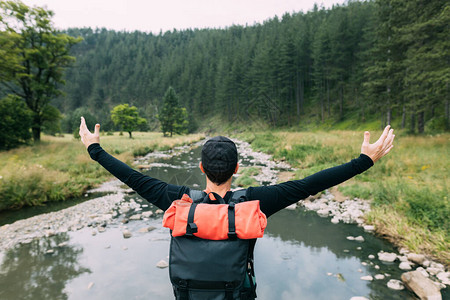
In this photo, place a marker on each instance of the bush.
(15, 123)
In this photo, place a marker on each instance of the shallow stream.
(302, 256)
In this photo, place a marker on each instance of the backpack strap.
(196, 195)
(237, 195)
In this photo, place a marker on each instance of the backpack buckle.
(191, 229)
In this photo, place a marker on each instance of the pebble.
(405, 266)
(50, 251)
(395, 284)
(379, 277)
(126, 234)
(369, 228)
(387, 256)
(162, 264)
(371, 256)
(377, 267)
(135, 217)
(159, 211)
(350, 238)
(359, 239)
(291, 207)
(367, 278)
(147, 214)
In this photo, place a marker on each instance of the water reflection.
(300, 249)
(29, 272)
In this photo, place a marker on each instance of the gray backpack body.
(202, 269)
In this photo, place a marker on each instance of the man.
(219, 162)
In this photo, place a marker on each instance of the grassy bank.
(60, 167)
(408, 187)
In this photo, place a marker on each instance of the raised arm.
(153, 190)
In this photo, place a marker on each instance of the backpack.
(211, 248)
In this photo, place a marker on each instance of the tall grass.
(411, 183)
(60, 167)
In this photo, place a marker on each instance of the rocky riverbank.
(112, 209)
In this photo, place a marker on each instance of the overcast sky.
(156, 15)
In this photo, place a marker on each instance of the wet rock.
(377, 267)
(395, 284)
(94, 232)
(387, 256)
(50, 251)
(63, 244)
(416, 258)
(379, 277)
(323, 213)
(364, 263)
(335, 220)
(369, 228)
(423, 271)
(367, 278)
(359, 239)
(101, 229)
(124, 221)
(350, 238)
(162, 264)
(126, 234)
(292, 206)
(135, 217)
(421, 286)
(444, 277)
(371, 256)
(147, 214)
(405, 266)
(159, 211)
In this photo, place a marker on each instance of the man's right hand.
(88, 138)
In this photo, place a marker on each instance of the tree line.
(383, 60)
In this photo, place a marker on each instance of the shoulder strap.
(196, 195)
(237, 195)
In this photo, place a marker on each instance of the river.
(301, 256)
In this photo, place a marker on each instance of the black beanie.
(219, 154)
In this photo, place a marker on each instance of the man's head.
(219, 159)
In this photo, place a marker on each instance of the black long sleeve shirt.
(272, 198)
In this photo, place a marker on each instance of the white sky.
(156, 15)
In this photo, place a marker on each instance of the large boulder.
(421, 285)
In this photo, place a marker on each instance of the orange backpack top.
(214, 221)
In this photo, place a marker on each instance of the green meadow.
(59, 168)
(408, 187)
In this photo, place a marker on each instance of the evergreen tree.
(173, 117)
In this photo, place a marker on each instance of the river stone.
(350, 238)
(359, 239)
(444, 277)
(50, 251)
(371, 256)
(159, 211)
(387, 256)
(126, 234)
(101, 229)
(416, 258)
(291, 207)
(421, 286)
(379, 276)
(358, 298)
(323, 213)
(433, 271)
(135, 217)
(369, 228)
(162, 264)
(405, 266)
(335, 220)
(395, 284)
(367, 278)
(377, 267)
(423, 271)
(147, 214)
(143, 230)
